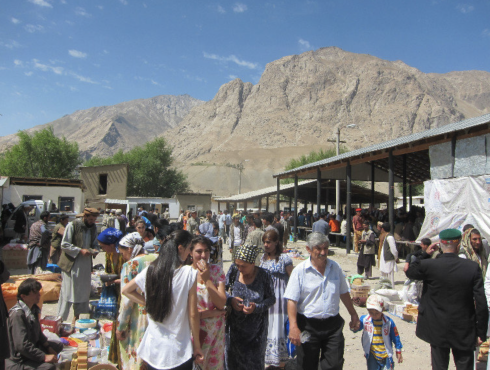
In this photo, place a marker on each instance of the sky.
(60, 56)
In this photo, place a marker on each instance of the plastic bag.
(107, 306)
(52, 337)
(388, 294)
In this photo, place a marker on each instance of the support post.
(326, 196)
(318, 190)
(290, 203)
(245, 206)
(295, 214)
(391, 186)
(219, 208)
(410, 199)
(405, 182)
(278, 195)
(372, 184)
(267, 203)
(260, 205)
(348, 207)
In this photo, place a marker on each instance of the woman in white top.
(171, 303)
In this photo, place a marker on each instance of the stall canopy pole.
(267, 203)
(348, 207)
(290, 203)
(405, 182)
(295, 208)
(326, 197)
(372, 184)
(410, 197)
(391, 179)
(245, 206)
(278, 208)
(318, 190)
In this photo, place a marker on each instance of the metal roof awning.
(415, 147)
(307, 192)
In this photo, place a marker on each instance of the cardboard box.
(51, 323)
(15, 259)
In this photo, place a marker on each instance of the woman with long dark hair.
(170, 289)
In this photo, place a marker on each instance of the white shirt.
(167, 344)
(317, 295)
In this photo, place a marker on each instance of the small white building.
(61, 192)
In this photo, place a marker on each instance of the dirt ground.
(416, 353)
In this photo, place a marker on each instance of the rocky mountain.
(105, 130)
(297, 105)
(300, 101)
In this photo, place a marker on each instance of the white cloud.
(10, 45)
(101, 7)
(239, 8)
(63, 1)
(305, 45)
(232, 58)
(106, 52)
(465, 8)
(28, 73)
(124, 2)
(84, 79)
(232, 77)
(486, 32)
(33, 28)
(221, 9)
(15, 20)
(72, 88)
(41, 3)
(18, 63)
(46, 68)
(82, 12)
(77, 54)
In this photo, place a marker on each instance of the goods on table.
(411, 312)
(51, 323)
(483, 354)
(82, 356)
(39, 277)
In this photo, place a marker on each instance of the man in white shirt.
(389, 255)
(314, 292)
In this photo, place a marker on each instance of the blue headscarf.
(110, 236)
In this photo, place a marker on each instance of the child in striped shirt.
(379, 334)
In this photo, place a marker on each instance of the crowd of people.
(177, 309)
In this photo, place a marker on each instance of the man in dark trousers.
(453, 312)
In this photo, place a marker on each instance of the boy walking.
(379, 334)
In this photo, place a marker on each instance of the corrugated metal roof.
(260, 193)
(116, 201)
(451, 127)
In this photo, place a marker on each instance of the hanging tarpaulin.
(453, 203)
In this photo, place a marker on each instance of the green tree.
(312, 157)
(41, 154)
(150, 173)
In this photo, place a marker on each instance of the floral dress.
(277, 351)
(212, 329)
(132, 316)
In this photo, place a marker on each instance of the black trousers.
(464, 360)
(325, 345)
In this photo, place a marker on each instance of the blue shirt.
(317, 295)
(206, 229)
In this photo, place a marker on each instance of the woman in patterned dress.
(211, 300)
(132, 320)
(279, 266)
(251, 296)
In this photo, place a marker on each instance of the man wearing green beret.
(453, 311)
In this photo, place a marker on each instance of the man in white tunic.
(78, 246)
(389, 255)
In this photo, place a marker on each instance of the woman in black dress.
(251, 295)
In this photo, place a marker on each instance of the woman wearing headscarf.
(108, 241)
(132, 320)
(251, 296)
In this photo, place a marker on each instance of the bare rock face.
(103, 131)
(302, 99)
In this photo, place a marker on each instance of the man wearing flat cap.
(453, 312)
(78, 246)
